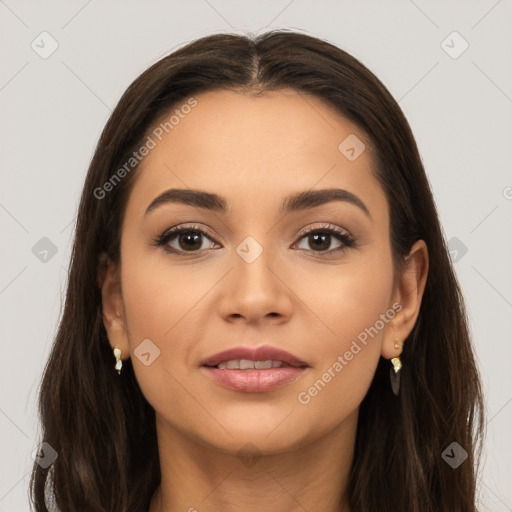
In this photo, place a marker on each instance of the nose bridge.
(252, 261)
(254, 289)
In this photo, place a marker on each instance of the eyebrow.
(292, 203)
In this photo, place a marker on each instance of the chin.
(250, 439)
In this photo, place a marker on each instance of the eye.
(321, 238)
(188, 239)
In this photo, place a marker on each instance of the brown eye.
(190, 240)
(184, 239)
(320, 239)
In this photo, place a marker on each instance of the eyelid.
(326, 226)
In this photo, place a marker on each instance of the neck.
(197, 477)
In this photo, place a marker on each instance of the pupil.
(188, 236)
(316, 237)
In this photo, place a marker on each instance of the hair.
(101, 425)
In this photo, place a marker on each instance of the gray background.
(53, 110)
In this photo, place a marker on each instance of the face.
(314, 280)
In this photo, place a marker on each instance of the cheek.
(156, 300)
(347, 298)
(161, 302)
(352, 302)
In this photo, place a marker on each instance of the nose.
(255, 290)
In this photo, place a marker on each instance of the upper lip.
(263, 353)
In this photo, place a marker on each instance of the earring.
(119, 363)
(394, 373)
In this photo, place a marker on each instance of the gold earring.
(394, 372)
(119, 363)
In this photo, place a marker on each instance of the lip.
(263, 353)
(254, 380)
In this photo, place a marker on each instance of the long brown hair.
(100, 424)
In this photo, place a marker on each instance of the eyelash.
(343, 236)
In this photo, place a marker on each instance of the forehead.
(229, 122)
(253, 148)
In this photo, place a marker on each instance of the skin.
(254, 151)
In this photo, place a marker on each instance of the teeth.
(263, 364)
(247, 364)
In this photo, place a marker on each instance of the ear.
(109, 280)
(408, 294)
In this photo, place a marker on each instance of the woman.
(261, 311)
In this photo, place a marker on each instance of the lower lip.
(255, 381)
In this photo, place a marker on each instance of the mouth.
(251, 370)
(247, 358)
